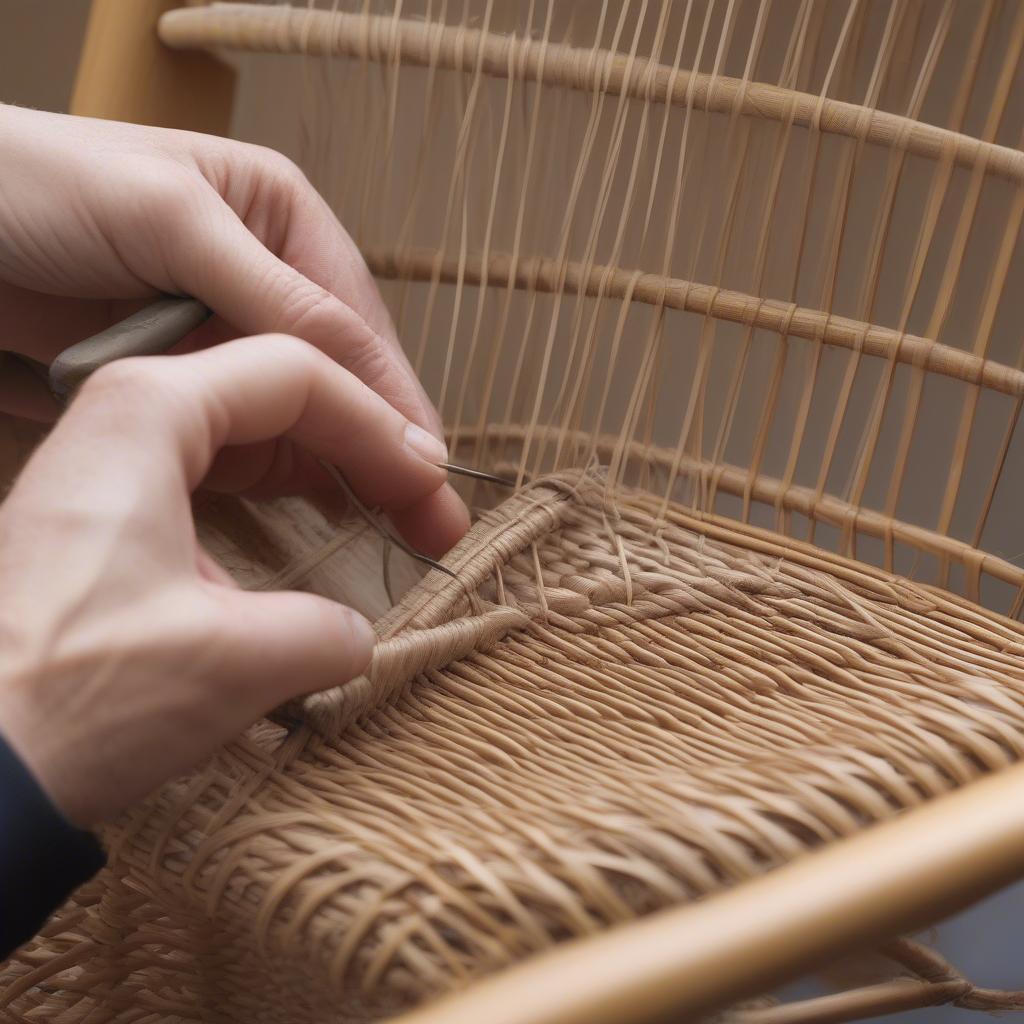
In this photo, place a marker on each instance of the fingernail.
(424, 445)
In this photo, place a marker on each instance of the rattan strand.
(705, 478)
(624, 703)
(931, 981)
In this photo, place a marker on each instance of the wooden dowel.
(680, 964)
(388, 40)
(548, 275)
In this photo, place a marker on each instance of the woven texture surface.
(646, 713)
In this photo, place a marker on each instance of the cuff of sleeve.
(43, 858)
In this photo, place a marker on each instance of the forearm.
(42, 857)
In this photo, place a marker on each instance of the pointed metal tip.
(476, 474)
(434, 564)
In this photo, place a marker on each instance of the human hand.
(96, 217)
(128, 653)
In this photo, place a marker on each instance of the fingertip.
(361, 637)
(346, 639)
(294, 643)
(435, 524)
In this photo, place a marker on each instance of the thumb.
(288, 644)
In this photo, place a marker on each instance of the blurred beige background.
(39, 45)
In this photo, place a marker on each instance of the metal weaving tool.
(151, 331)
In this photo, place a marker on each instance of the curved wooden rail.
(546, 275)
(858, 1004)
(684, 963)
(386, 39)
(767, 490)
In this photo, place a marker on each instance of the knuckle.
(140, 388)
(309, 309)
(311, 312)
(289, 348)
(371, 363)
(267, 166)
(161, 191)
(279, 167)
(367, 356)
(125, 378)
(285, 357)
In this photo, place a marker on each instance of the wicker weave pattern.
(666, 713)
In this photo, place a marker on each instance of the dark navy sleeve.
(42, 857)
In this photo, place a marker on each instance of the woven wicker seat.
(591, 723)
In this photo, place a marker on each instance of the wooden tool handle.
(151, 331)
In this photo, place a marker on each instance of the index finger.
(143, 432)
(312, 283)
(256, 389)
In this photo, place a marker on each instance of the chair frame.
(698, 959)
